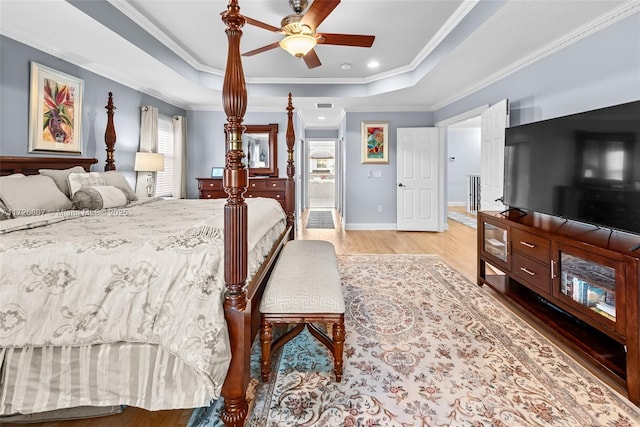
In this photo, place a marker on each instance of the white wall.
(463, 157)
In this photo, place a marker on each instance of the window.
(164, 179)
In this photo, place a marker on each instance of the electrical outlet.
(379, 208)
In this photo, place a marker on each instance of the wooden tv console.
(580, 280)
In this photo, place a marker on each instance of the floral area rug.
(426, 347)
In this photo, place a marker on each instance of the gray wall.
(597, 71)
(205, 133)
(588, 74)
(364, 194)
(15, 61)
(464, 146)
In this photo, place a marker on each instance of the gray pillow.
(85, 179)
(100, 197)
(117, 179)
(60, 176)
(32, 195)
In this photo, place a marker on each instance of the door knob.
(401, 185)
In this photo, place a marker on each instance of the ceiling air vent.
(324, 105)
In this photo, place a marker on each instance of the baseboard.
(457, 204)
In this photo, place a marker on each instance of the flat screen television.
(584, 167)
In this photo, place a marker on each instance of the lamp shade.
(298, 44)
(149, 162)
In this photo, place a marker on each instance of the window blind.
(164, 179)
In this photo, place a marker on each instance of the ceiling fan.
(300, 32)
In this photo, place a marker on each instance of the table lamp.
(149, 162)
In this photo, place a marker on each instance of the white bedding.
(151, 272)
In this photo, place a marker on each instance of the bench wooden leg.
(338, 348)
(266, 334)
(335, 345)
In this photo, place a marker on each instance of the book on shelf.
(603, 314)
(607, 308)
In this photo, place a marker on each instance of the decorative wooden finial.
(291, 170)
(110, 136)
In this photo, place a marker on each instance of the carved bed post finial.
(291, 170)
(110, 136)
(235, 181)
(235, 178)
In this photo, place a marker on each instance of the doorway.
(463, 166)
(463, 136)
(321, 162)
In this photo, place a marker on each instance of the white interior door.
(494, 121)
(419, 180)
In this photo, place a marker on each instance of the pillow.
(87, 179)
(100, 197)
(116, 179)
(5, 213)
(32, 195)
(59, 176)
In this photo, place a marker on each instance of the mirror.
(260, 145)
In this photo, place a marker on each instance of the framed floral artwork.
(375, 142)
(55, 111)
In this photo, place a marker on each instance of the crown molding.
(625, 10)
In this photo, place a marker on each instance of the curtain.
(148, 143)
(179, 157)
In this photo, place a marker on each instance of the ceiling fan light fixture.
(298, 44)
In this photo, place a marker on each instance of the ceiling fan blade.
(318, 12)
(311, 59)
(358, 40)
(262, 49)
(261, 24)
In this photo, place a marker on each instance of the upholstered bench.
(304, 288)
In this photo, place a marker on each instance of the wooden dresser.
(211, 188)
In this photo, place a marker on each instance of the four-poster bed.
(243, 282)
(241, 307)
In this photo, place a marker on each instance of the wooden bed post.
(110, 136)
(290, 189)
(235, 181)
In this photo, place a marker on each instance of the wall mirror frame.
(260, 145)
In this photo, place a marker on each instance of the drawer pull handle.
(209, 196)
(273, 185)
(529, 245)
(529, 272)
(210, 185)
(553, 268)
(277, 196)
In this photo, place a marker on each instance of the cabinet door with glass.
(494, 242)
(592, 286)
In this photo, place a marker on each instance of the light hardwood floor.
(457, 246)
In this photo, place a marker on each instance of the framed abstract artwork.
(375, 142)
(55, 111)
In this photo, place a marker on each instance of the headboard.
(30, 165)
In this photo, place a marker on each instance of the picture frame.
(55, 111)
(375, 142)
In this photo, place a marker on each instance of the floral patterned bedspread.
(149, 272)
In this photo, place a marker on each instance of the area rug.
(426, 347)
(463, 219)
(320, 219)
